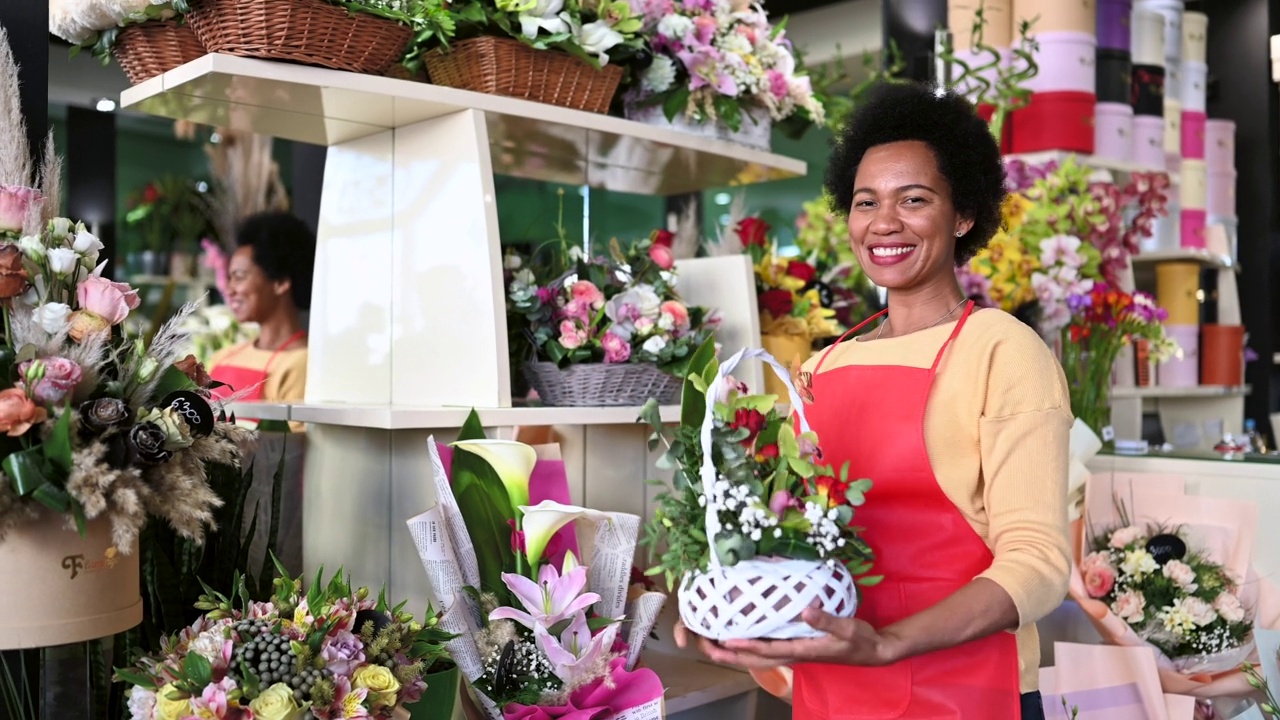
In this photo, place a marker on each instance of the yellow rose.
(276, 703)
(382, 685)
(169, 709)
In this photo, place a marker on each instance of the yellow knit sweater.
(996, 429)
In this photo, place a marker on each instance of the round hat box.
(997, 31)
(1057, 15)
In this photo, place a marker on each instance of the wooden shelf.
(693, 683)
(527, 139)
(1202, 391)
(384, 417)
(1200, 255)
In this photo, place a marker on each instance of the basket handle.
(708, 470)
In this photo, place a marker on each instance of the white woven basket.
(760, 598)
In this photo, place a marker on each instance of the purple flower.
(546, 295)
(342, 653)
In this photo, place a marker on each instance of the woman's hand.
(848, 641)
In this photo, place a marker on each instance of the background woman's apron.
(239, 377)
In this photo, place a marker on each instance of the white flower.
(669, 278)
(1129, 605)
(543, 16)
(660, 74)
(208, 644)
(523, 279)
(512, 262)
(596, 38)
(63, 261)
(1138, 563)
(32, 247)
(570, 280)
(87, 245)
(1126, 536)
(1229, 607)
(220, 318)
(654, 345)
(60, 227)
(52, 317)
(1181, 574)
(142, 704)
(1201, 612)
(575, 254)
(675, 27)
(735, 43)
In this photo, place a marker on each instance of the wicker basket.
(598, 384)
(502, 66)
(148, 49)
(311, 32)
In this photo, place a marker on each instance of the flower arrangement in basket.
(719, 69)
(540, 634)
(322, 651)
(147, 37)
(606, 330)
(1171, 595)
(756, 529)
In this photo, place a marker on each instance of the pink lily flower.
(576, 652)
(552, 599)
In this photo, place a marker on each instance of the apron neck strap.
(292, 339)
(968, 310)
(846, 336)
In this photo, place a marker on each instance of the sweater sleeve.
(1024, 434)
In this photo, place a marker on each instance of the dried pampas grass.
(15, 152)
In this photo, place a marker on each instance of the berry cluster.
(273, 660)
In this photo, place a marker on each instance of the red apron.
(238, 377)
(873, 418)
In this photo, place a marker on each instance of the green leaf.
(693, 404)
(676, 103)
(787, 547)
(197, 669)
(53, 497)
(869, 580)
(171, 380)
(57, 447)
(486, 511)
(472, 429)
(599, 623)
(25, 470)
(133, 677)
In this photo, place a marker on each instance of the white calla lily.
(544, 520)
(512, 461)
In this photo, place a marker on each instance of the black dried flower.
(147, 440)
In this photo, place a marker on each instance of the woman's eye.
(864, 204)
(913, 201)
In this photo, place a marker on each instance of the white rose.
(1130, 606)
(654, 345)
(666, 322)
(1229, 607)
(1126, 536)
(142, 704)
(88, 246)
(1181, 574)
(63, 261)
(32, 247)
(675, 26)
(52, 317)
(659, 76)
(646, 300)
(570, 280)
(523, 279)
(596, 38)
(60, 227)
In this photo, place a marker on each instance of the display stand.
(408, 326)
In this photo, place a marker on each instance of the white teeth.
(891, 251)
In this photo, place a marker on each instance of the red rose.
(754, 231)
(663, 237)
(777, 303)
(766, 453)
(802, 271)
(749, 418)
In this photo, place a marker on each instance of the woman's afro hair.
(285, 248)
(967, 154)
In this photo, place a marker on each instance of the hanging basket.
(602, 385)
(145, 50)
(762, 597)
(502, 66)
(62, 588)
(311, 32)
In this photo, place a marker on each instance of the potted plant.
(147, 37)
(719, 69)
(171, 217)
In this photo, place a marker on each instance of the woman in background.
(269, 283)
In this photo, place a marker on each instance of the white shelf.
(1202, 391)
(260, 411)
(1099, 163)
(527, 139)
(1200, 255)
(165, 280)
(384, 417)
(693, 683)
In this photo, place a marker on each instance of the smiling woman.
(959, 417)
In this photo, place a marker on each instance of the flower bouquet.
(719, 69)
(324, 651)
(147, 37)
(1173, 596)
(756, 529)
(606, 331)
(823, 239)
(540, 634)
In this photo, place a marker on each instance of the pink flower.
(577, 310)
(1126, 536)
(678, 312)
(781, 501)
(586, 293)
(517, 537)
(616, 350)
(1099, 576)
(109, 300)
(1229, 607)
(778, 84)
(662, 256)
(570, 336)
(213, 701)
(546, 295)
(554, 597)
(704, 29)
(643, 325)
(1130, 605)
(50, 379)
(342, 652)
(16, 204)
(1181, 574)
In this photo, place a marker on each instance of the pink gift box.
(1193, 122)
(1113, 131)
(1220, 145)
(1221, 190)
(1067, 62)
(1184, 371)
(1148, 142)
(1192, 230)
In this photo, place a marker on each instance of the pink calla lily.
(553, 598)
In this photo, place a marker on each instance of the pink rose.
(1099, 576)
(1181, 574)
(662, 256)
(616, 350)
(585, 292)
(678, 312)
(111, 301)
(570, 336)
(16, 204)
(1126, 536)
(576, 310)
(1229, 607)
(51, 379)
(1130, 606)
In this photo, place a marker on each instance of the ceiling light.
(105, 105)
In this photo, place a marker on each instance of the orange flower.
(18, 413)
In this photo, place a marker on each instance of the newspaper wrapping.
(642, 614)
(613, 549)
(432, 538)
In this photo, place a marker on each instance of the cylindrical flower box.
(1148, 90)
(1193, 123)
(1195, 36)
(1148, 142)
(1195, 86)
(1054, 121)
(1222, 355)
(1193, 224)
(1148, 37)
(1113, 24)
(1220, 145)
(1183, 371)
(1113, 132)
(1114, 76)
(997, 32)
(1221, 189)
(1194, 193)
(1177, 291)
(1057, 15)
(1067, 61)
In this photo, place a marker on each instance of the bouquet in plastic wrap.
(538, 591)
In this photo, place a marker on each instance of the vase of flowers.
(606, 330)
(752, 512)
(718, 63)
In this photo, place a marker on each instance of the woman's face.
(902, 224)
(251, 295)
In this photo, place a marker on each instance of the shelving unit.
(411, 327)
(1200, 255)
(1098, 163)
(1201, 391)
